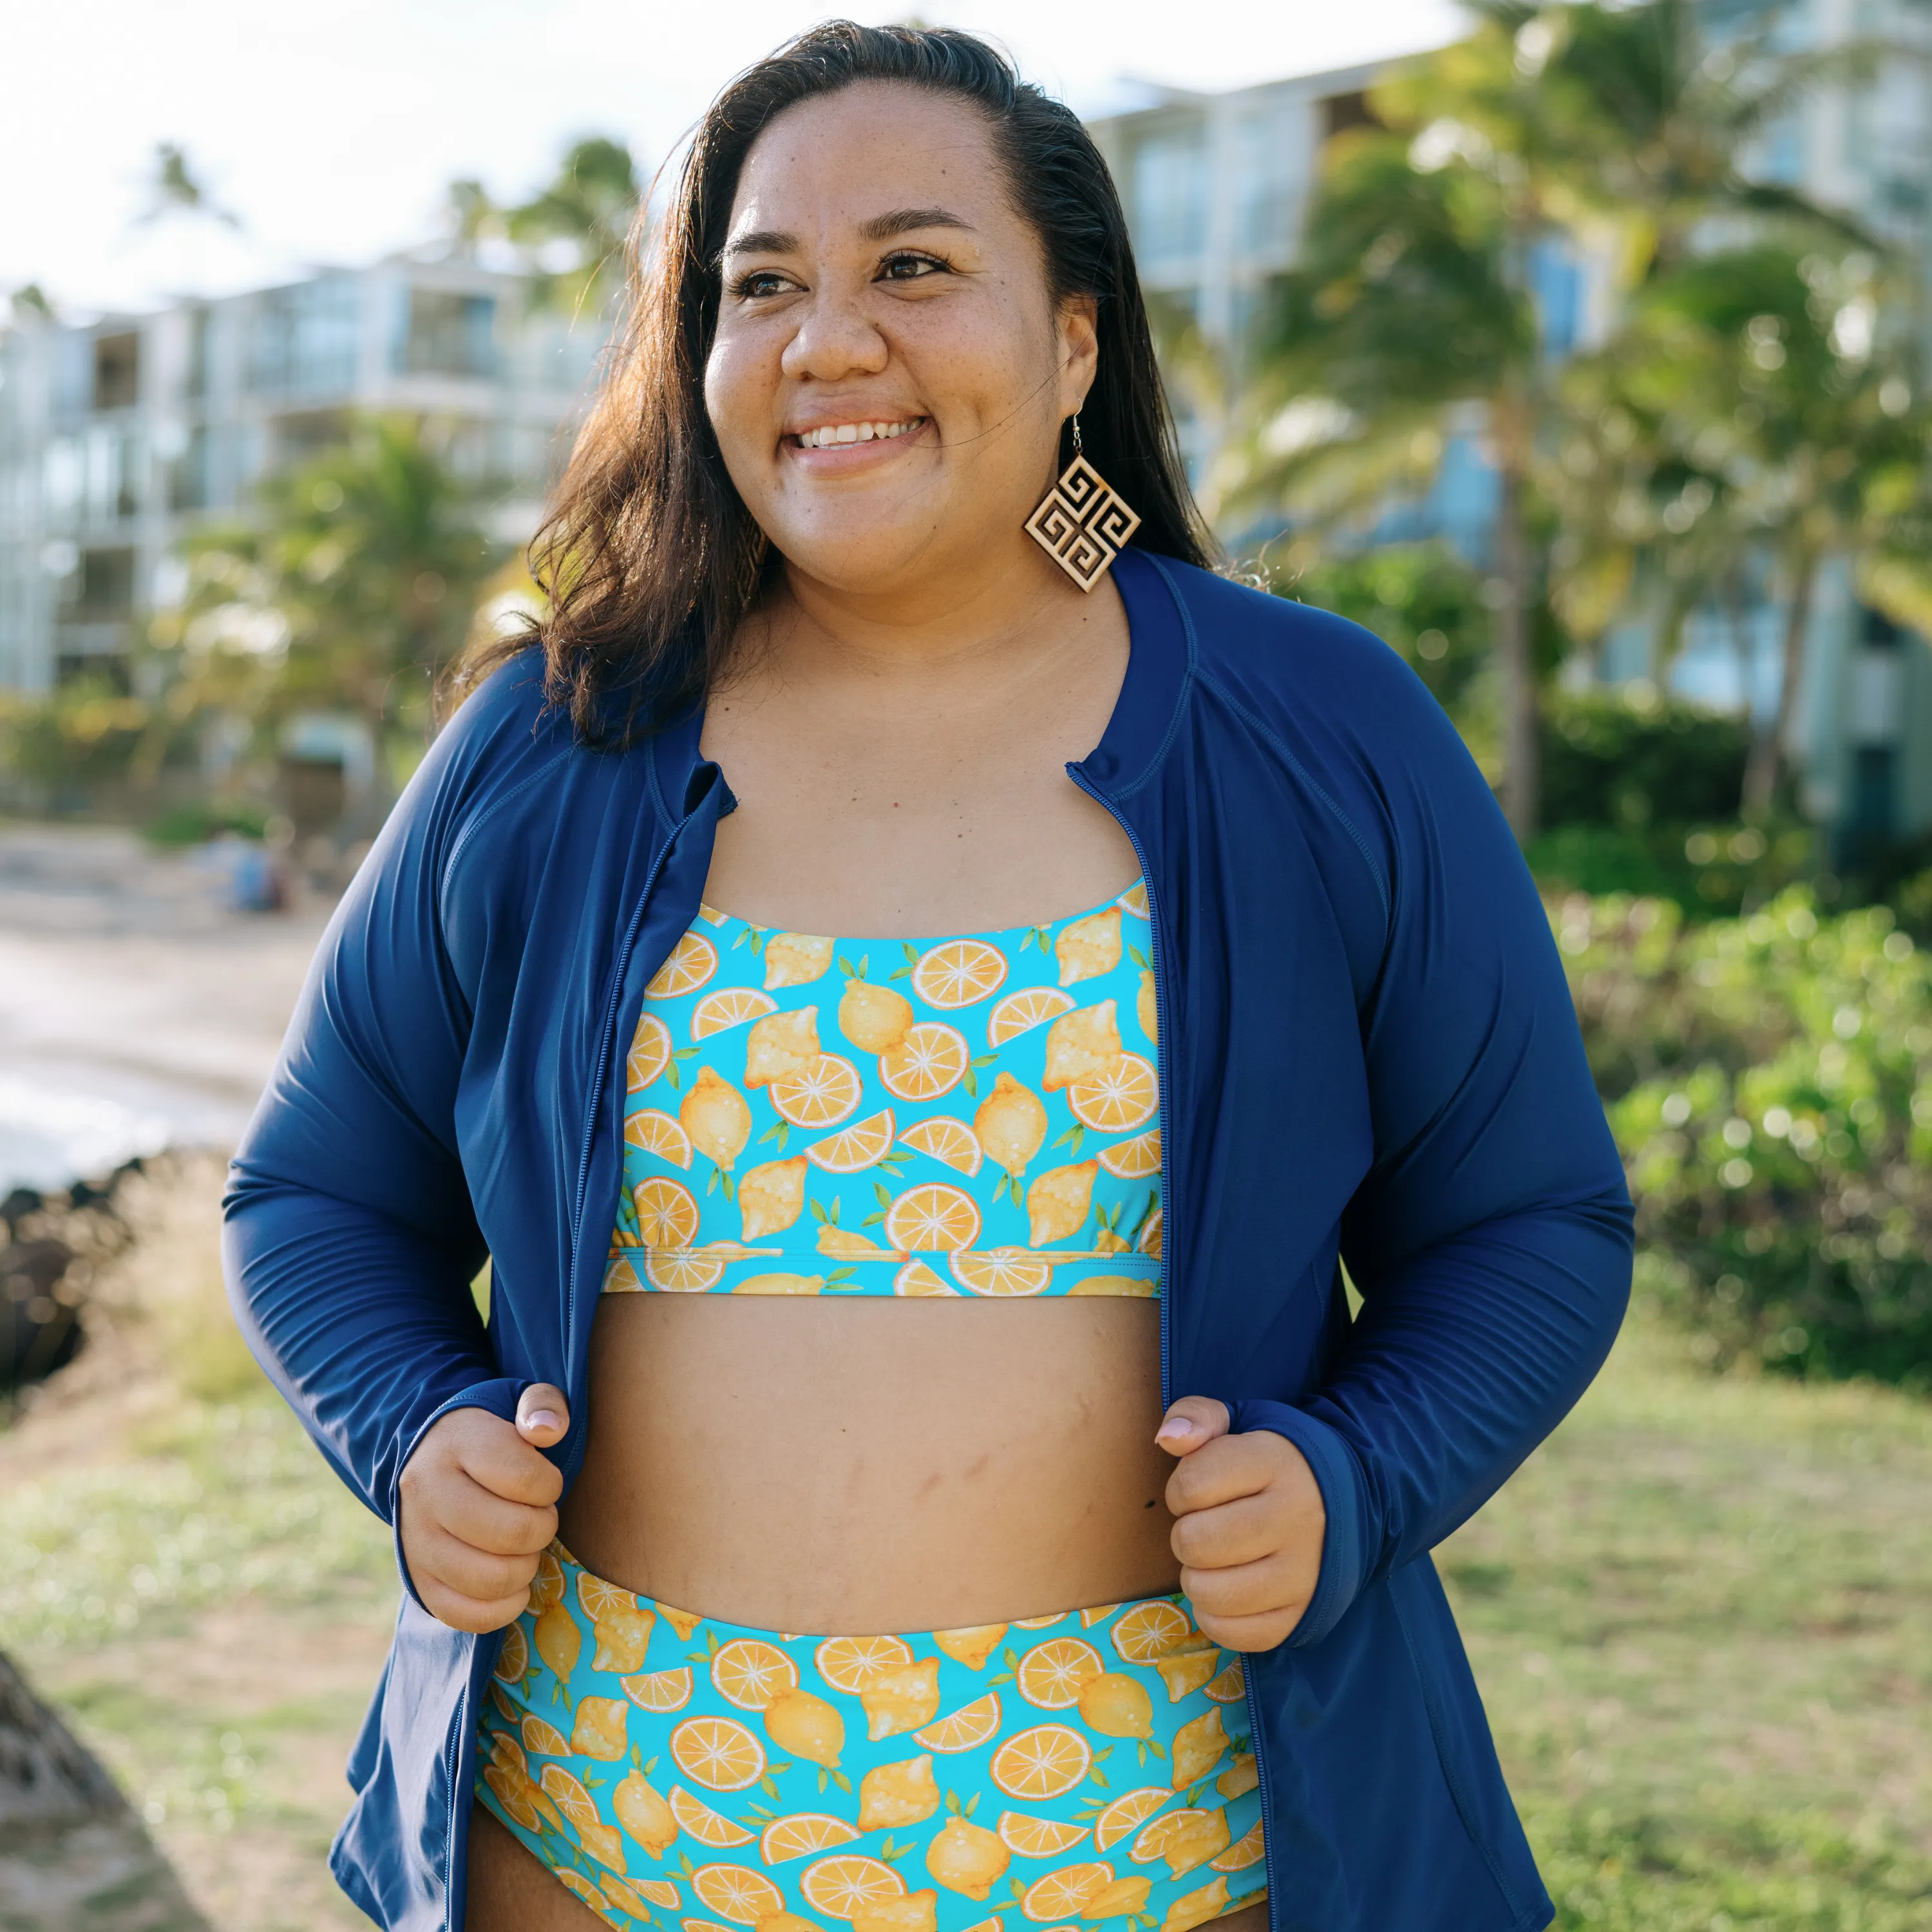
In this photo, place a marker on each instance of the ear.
(1079, 344)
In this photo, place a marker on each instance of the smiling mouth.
(832, 436)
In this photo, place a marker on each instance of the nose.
(835, 340)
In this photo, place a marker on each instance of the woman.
(866, 894)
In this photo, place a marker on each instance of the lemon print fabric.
(977, 1115)
(673, 1770)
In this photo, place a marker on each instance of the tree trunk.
(1516, 679)
(1765, 766)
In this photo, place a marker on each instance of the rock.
(74, 1857)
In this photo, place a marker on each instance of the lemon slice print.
(801, 1834)
(737, 1893)
(1064, 1893)
(650, 1054)
(1155, 1628)
(1244, 1852)
(933, 1218)
(1230, 1687)
(1131, 1809)
(717, 1752)
(863, 1145)
(660, 1689)
(958, 973)
(667, 1212)
(752, 1674)
(930, 1060)
(1134, 1159)
(698, 1820)
(693, 961)
(945, 1139)
(659, 1133)
(820, 1092)
(729, 1006)
(1020, 1012)
(847, 1883)
(1029, 1837)
(917, 1279)
(855, 1664)
(1051, 1674)
(1043, 1761)
(1116, 1098)
(971, 1725)
(998, 1273)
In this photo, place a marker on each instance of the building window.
(303, 343)
(106, 584)
(1170, 198)
(447, 333)
(117, 371)
(187, 474)
(197, 352)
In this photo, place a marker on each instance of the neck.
(1012, 604)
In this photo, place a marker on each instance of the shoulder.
(1360, 732)
(1274, 653)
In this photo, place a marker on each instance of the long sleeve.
(350, 1240)
(1491, 1238)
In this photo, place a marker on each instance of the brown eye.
(909, 268)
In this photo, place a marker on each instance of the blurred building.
(1215, 186)
(119, 436)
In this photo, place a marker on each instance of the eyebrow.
(880, 228)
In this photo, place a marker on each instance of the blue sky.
(332, 127)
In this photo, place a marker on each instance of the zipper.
(604, 1047)
(457, 1795)
(1164, 1044)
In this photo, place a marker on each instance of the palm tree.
(589, 207)
(1621, 127)
(351, 588)
(1777, 418)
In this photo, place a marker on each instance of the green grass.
(1701, 1618)
(1701, 1615)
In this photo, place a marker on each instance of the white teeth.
(832, 433)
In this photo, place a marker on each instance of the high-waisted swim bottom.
(1089, 1769)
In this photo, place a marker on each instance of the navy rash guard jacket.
(1368, 1053)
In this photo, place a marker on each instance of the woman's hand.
(478, 1505)
(1248, 1524)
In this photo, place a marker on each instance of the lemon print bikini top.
(972, 1115)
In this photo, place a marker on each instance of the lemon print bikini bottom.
(679, 1772)
(976, 1115)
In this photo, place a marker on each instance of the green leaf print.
(1000, 1677)
(1155, 1745)
(711, 1186)
(769, 1786)
(839, 1276)
(973, 1803)
(817, 1209)
(1097, 1776)
(851, 971)
(1072, 1138)
(1139, 958)
(953, 1802)
(882, 1195)
(731, 1189)
(1010, 1658)
(1018, 1887)
(684, 1860)
(872, 1220)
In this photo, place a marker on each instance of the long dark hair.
(648, 557)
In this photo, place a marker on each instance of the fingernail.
(541, 1418)
(1179, 1425)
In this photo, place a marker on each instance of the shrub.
(1769, 1083)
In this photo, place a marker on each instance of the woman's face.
(890, 372)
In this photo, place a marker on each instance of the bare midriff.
(867, 1465)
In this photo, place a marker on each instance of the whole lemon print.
(874, 1019)
(966, 1858)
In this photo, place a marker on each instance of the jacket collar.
(1160, 656)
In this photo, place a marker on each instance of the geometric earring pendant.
(1081, 523)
